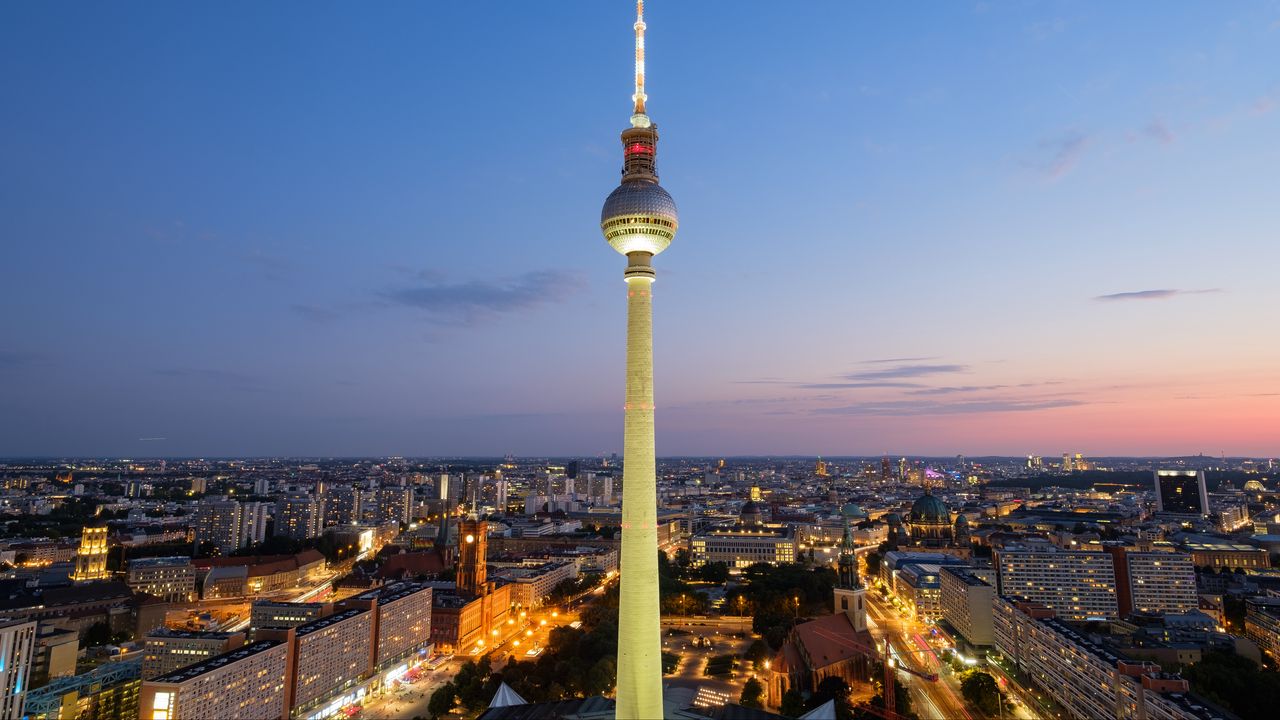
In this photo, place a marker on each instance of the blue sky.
(368, 229)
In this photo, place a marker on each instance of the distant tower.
(639, 220)
(91, 557)
(821, 469)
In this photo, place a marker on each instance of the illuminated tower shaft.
(639, 632)
(639, 220)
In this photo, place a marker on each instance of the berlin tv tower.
(639, 220)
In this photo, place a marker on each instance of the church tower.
(850, 594)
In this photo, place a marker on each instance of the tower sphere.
(639, 216)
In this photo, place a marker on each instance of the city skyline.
(322, 233)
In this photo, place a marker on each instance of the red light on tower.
(639, 148)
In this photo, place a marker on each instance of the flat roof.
(217, 662)
(151, 561)
(325, 622)
(965, 575)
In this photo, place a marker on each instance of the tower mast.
(639, 220)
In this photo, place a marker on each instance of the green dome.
(930, 510)
(851, 511)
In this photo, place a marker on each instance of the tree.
(792, 704)
(980, 689)
(752, 694)
(441, 701)
(834, 689)
(757, 652)
(1236, 683)
(715, 572)
(97, 634)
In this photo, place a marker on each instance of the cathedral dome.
(929, 510)
(853, 511)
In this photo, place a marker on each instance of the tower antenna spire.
(639, 96)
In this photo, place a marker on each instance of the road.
(940, 699)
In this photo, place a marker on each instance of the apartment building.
(247, 683)
(1089, 681)
(17, 646)
(1077, 585)
(168, 578)
(166, 650)
(966, 601)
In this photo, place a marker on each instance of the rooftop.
(189, 672)
(325, 622)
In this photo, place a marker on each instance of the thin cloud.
(886, 361)
(1060, 153)
(1158, 131)
(470, 302)
(857, 385)
(1164, 294)
(934, 407)
(315, 314)
(906, 371)
(225, 378)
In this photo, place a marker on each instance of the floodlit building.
(746, 542)
(91, 556)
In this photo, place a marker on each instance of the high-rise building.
(262, 486)
(253, 523)
(17, 646)
(395, 504)
(639, 220)
(230, 525)
(298, 517)
(966, 603)
(500, 494)
(342, 505)
(217, 521)
(1181, 492)
(91, 556)
(1154, 582)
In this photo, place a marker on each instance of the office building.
(1181, 492)
(91, 556)
(276, 615)
(168, 578)
(1221, 553)
(165, 649)
(1077, 585)
(248, 683)
(1262, 624)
